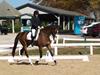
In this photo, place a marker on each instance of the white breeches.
(33, 32)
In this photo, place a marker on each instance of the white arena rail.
(8, 46)
(79, 39)
(60, 57)
(56, 46)
(81, 57)
(83, 44)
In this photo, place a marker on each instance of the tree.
(95, 6)
(36, 1)
(82, 6)
(73, 5)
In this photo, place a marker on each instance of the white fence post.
(91, 50)
(55, 51)
(19, 50)
(56, 48)
(63, 41)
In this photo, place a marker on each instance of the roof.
(7, 11)
(50, 10)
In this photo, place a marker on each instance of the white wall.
(29, 10)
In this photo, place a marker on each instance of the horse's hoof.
(80, 53)
(55, 62)
(36, 62)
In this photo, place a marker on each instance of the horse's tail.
(15, 45)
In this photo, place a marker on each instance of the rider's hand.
(39, 27)
(42, 27)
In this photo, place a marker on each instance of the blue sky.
(17, 3)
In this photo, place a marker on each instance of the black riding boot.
(32, 42)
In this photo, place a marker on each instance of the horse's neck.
(45, 32)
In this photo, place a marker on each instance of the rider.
(35, 25)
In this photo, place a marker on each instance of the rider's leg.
(33, 32)
(33, 35)
(37, 34)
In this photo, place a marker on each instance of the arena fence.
(82, 44)
(56, 46)
(81, 57)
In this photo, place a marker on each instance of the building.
(7, 12)
(65, 19)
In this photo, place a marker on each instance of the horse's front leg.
(40, 52)
(50, 50)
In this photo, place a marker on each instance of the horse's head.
(54, 30)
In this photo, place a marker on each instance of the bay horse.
(42, 41)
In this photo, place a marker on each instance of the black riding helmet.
(36, 13)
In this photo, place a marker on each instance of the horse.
(42, 41)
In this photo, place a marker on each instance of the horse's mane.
(50, 27)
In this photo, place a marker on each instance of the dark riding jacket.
(35, 22)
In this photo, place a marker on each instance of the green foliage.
(67, 4)
(17, 27)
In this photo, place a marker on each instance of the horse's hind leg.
(13, 53)
(20, 54)
(11, 60)
(49, 48)
(24, 49)
(21, 51)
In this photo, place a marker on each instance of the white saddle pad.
(30, 33)
(29, 36)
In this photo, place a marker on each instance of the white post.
(58, 20)
(63, 41)
(55, 51)
(91, 50)
(64, 23)
(13, 30)
(19, 50)
(73, 26)
(55, 48)
(68, 25)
